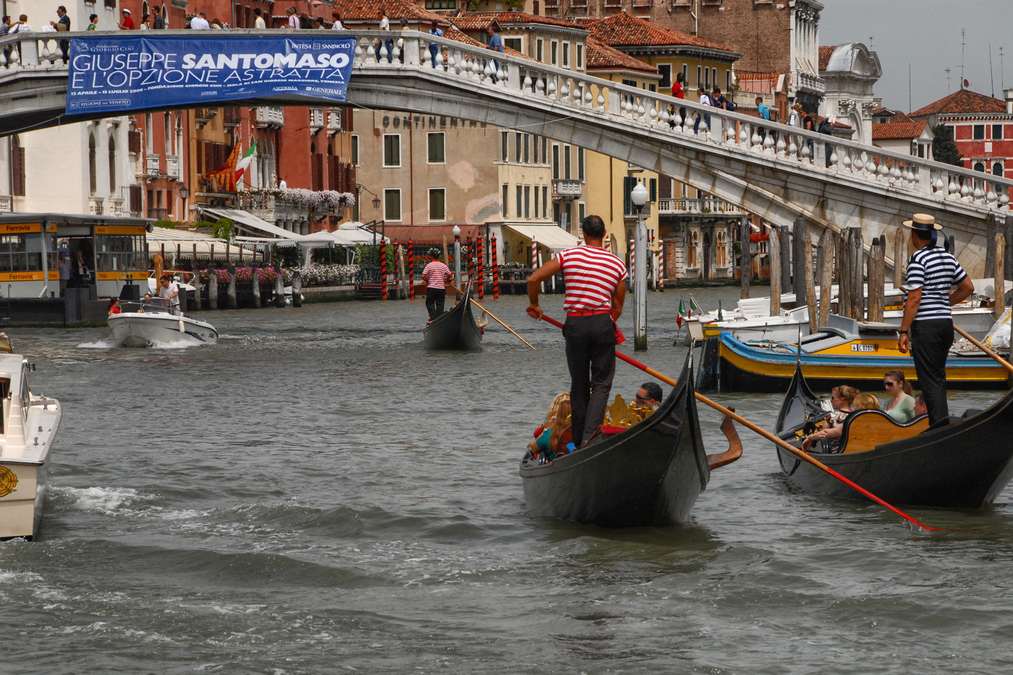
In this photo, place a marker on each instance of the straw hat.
(922, 222)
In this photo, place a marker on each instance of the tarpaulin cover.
(119, 72)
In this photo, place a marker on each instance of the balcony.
(810, 82)
(316, 120)
(269, 117)
(151, 166)
(566, 188)
(172, 166)
(709, 205)
(231, 117)
(286, 215)
(333, 122)
(204, 115)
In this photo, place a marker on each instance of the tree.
(944, 149)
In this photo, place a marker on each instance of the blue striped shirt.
(934, 270)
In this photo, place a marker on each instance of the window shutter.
(654, 190)
(134, 142)
(18, 172)
(135, 198)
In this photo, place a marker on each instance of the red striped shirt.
(591, 276)
(436, 273)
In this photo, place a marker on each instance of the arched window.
(112, 165)
(979, 166)
(997, 169)
(722, 248)
(92, 167)
(693, 240)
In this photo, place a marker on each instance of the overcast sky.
(926, 34)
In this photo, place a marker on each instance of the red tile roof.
(368, 12)
(482, 20)
(602, 57)
(825, 53)
(963, 102)
(897, 130)
(625, 30)
(458, 35)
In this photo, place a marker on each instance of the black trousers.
(591, 359)
(435, 297)
(930, 344)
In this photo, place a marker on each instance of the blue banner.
(118, 73)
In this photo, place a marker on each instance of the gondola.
(649, 474)
(455, 329)
(963, 464)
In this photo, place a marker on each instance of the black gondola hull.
(456, 329)
(650, 474)
(965, 464)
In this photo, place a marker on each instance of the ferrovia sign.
(119, 72)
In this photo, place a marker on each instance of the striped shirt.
(591, 276)
(934, 270)
(436, 274)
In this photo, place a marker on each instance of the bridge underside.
(776, 190)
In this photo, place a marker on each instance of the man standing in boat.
(927, 326)
(434, 276)
(595, 294)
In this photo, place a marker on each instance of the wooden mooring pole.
(774, 250)
(825, 265)
(255, 278)
(279, 285)
(785, 243)
(296, 289)
(806, 251)
(900, 240)
(999, 274)
(876, 278)
(991, 228)
(799, 234)
(230, 297)
(746, 257)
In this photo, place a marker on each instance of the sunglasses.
(889, 384)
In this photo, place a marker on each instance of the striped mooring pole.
(495, 270)
(633, 264)
(661, 266)
(481, 268)
(471, 260)
(383, 270)
(411, 271)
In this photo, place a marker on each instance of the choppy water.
(317, 494)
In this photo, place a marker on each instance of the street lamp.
(639, 196)
(183, 194)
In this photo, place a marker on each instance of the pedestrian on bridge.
(158, 23)
(259, 22)
(704, 100)
(927, 326)
(128, 23)
(293, 19)
(62, 24)
(200, 22)
(434, 49)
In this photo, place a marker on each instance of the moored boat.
(963, 464)
(143, 323)
(843, 352)
(648, 474)
(29, 426)
(455, 329)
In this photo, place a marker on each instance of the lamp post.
(639, 196)
(457, 254)
(183, 194)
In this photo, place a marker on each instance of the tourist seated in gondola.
(920, 407)
(548, 435)
(649, 396)
(901, 405)
(833, 433)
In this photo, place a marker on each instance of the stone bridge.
(775, 171)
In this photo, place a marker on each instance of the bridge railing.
(687, 121)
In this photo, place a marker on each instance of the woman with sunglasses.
(901, 405)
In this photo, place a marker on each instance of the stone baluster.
(357, 58)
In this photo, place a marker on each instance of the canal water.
(317, 494)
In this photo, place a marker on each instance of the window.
(685, 73)
(580, 164)
(728, 80)
(545, 201)
(979, 166)
(707, 80)
(581, 212)
(436, 149)
(121, 252)
(566, 162)
(555, 161)
(517, 147)
(722, 246)
(520, 201)
(666, 75)
(699, 76)
(979, 132)
(17, 167)
(392, 154)
(355, 151)
(437, 204)
(526, 143)
(996, 132)
(515, 44)
(14, 255)
(653, 189)
(506, 193)
(527, 201)
(566, 54)
(714, 77)
(997, 169)
(506, 147)
(536, 201)
(112, 165)
(693, 241)
(545, 145)
(629, 183)
(553, 51)
(580, 56)
(92, 168)
(392, 204)
(540, 50)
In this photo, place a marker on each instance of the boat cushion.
(866, 429)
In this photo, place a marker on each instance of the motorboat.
(29, 425)
(140, 324)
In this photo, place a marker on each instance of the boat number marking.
(863, 348)
(8, 481)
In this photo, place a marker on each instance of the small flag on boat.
(678, 317)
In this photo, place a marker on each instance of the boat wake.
(102, 500)
(105, 343)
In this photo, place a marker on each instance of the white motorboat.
(140, 324)
(30, 423)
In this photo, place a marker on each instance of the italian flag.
(244, 161)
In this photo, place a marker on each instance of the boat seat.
(865, 429)
(971, 412)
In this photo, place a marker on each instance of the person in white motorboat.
(170, 291)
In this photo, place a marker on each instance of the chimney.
(1009, 101)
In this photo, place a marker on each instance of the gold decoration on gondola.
(624, 415)
(8, 481)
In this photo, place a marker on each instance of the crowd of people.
(156, 21)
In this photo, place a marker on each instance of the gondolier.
(927, 326)
(594, 300)
(434, 276)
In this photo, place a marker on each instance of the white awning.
(251, 222)
(186, 240)
(553, 236)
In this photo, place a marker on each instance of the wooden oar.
(494, 317)
(1003, 362)
(763, 432)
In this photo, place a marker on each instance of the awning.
(553, 236)
(186, 240)
(251, 222)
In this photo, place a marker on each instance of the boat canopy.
(552, 236)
